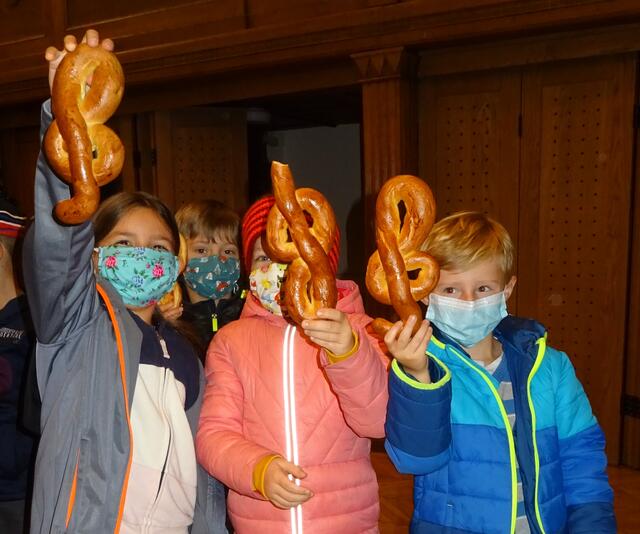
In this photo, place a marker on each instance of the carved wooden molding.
(382, 64)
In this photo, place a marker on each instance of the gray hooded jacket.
(82, 377)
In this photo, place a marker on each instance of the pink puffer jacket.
(270, 391)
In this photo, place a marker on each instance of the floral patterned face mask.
(140, 275)
(265, 284)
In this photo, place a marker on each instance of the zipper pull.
(165, 351)
(214, 322)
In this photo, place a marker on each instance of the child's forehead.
(217, 237)
(481, 271)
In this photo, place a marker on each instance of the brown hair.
(115, 207)
(210, 219)
(463, 239)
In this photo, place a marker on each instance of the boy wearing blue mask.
(493, 423)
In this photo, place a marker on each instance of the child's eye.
(201, 250)
(122, 243)
(263, 257)
(484, 289)
(230, 252)
(161, 248)
(449, 290)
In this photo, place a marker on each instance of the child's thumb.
(296, 470)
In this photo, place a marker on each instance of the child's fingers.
(330, 314)
(70, 43)
(91, 37)
(405, 334)
(392, 333)
(52, 53)
(293, 469)
(108, 44)
(319, 326)
(421, 339)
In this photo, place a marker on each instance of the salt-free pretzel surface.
(399, 234)
(87, 90)
(310, 282)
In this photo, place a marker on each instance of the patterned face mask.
(140, 275)
(265, 284)
(213, 277)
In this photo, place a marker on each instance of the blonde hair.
(210, 219)
(460, 241)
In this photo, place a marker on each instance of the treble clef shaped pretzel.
(310, 283)
(87, 90)
(398, 251)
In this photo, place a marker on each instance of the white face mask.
(265, 284)
(467, 321)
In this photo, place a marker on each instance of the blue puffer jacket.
(454, 435)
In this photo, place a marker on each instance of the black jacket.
(16, 344)
(206, 318)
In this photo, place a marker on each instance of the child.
(16, 343)
(493, 423)
(287, 411)
(121, 390)
(211, 278)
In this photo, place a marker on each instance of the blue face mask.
(464, 321)
(212, 277)
(140, 275)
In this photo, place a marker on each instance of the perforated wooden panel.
(203, 163)
(469, 143)
(576, 170)
(201, 154)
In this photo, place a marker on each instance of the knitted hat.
(11, 224)
(254, 223)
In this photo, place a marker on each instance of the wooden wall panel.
(19, 149)
(21, 20)
(201, 154)
(261, 13)
(631, 422)
(574, 209)
(469, 145)
(81, 13)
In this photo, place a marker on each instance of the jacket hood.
(349, 302)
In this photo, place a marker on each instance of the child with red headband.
(287, 415)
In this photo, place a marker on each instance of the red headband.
(254, 223)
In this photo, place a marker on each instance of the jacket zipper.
(510, 439)
(542, 346)
(151, 512)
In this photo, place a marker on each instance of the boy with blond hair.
(212, 233)
(493, 422)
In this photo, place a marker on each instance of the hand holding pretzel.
(87, 84)
(398, 240)
(310, 283)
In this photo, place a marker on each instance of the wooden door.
(575, 211)
(469, 145)
(199, 154)
(547, 150)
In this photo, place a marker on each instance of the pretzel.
(174, 296)
(310, 283)
(398, 242)
(81, 150)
